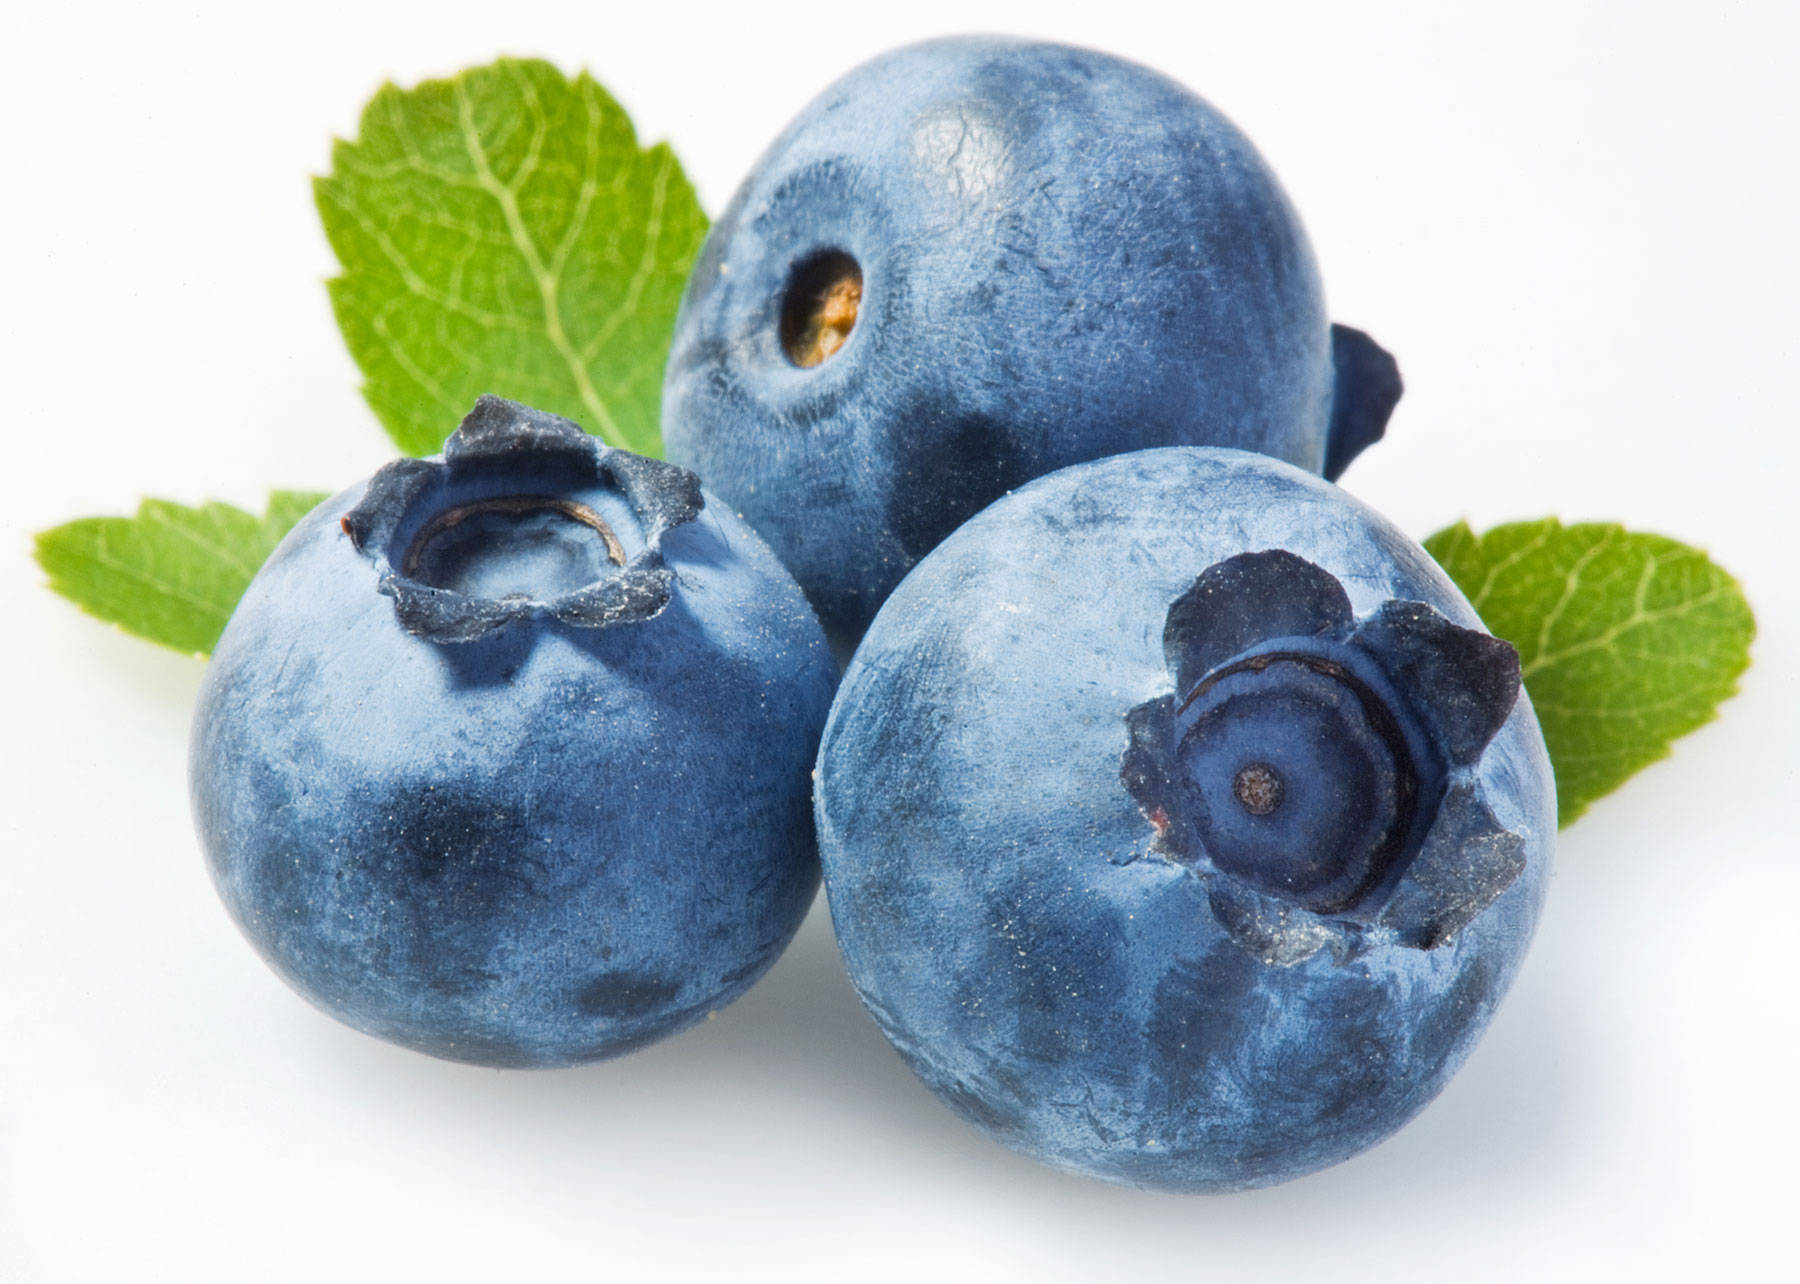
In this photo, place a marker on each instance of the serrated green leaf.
(1628, 641)
(172, 574)
(502, 231)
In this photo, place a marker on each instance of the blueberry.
(976, 260)
(1181, 825)
(505, 755)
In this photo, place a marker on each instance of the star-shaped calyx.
(1317, 770)
(524, 516)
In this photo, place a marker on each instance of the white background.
(1575, 224)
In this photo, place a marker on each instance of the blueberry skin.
(1063, 255)
(1009, 895)
(496, 835)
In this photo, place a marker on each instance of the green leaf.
(502, 231)
(1628, 641)
(171, 574)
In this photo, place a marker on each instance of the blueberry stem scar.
(511, 504)
(823, 299)
(1259, 788)
(1381, 721)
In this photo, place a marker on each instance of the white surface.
(1574, 224)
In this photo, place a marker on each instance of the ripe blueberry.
(1180, 823)
(504, 755)
(973, 261)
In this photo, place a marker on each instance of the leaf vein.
(546, 281)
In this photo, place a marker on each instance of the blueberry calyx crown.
(1316, 770)
(523, 516)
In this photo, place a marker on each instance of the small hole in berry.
(1258, 788)
(818, 312)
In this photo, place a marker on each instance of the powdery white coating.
(993, 884)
